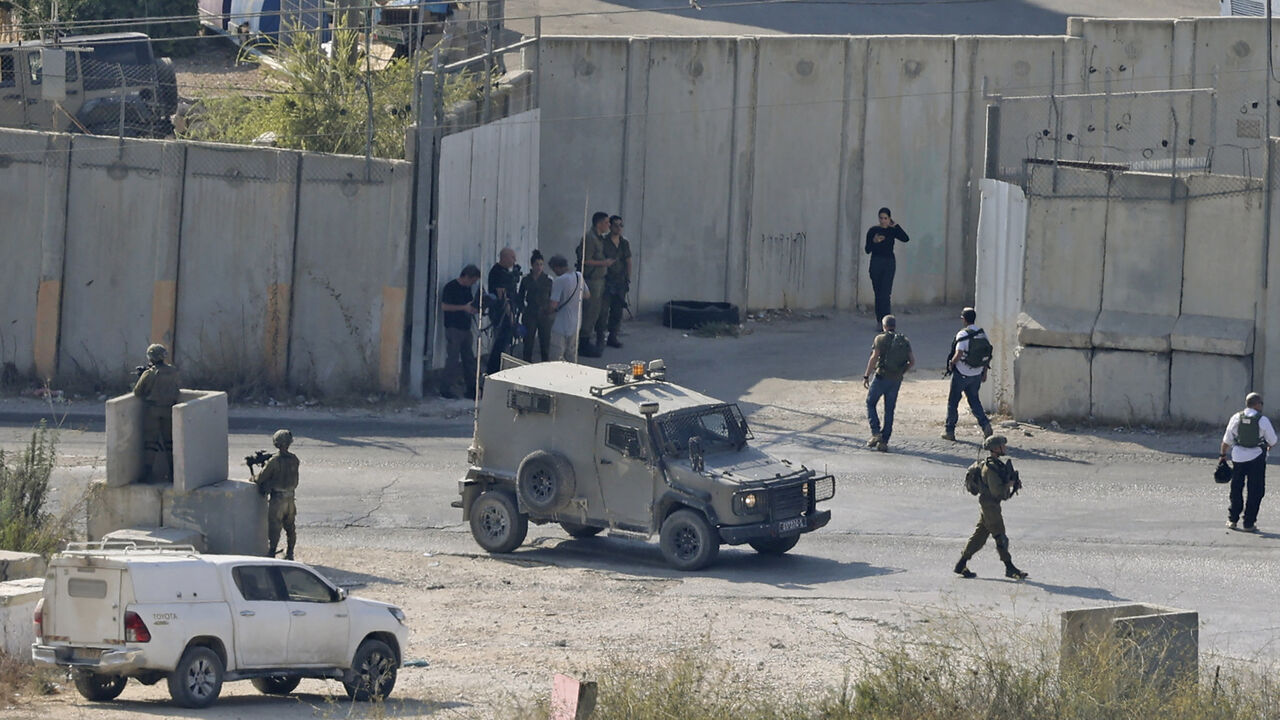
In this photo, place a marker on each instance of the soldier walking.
(157, 387)
(279, 480)
(1248, 437)
(999, 482)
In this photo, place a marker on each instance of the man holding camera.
(278, 480)
(999, 483)
(1248, 437)
(503, 277)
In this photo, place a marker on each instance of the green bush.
(25, 523)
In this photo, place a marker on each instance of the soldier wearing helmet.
(157, 387)
(279, 480)
(999, 483)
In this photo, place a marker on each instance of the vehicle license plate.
(792, 524)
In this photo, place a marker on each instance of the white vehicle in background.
(112, 612)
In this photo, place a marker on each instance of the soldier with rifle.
(279, 481)
(157, 387)
(993, 480)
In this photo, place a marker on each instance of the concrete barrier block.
(1056, 327)
(1133, 331)
(158, 536)
(199, 439)
(231, 515)
(1144, 248)
(1051, 382)
(1214, 335)
(1130, 387)
(1208, 388)
(124, 440)
(110, 508)
(18, 600)
(1159, 644)
(20, 565)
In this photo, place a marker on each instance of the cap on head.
(994, 441)
(282, 439)
(156, 352)
(889, 322)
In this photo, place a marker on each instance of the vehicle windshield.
(720, 427)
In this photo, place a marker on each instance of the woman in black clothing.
(883, 265)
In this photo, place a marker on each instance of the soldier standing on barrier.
(1248, 437)
(157, 387)
(999, 482)
(279, 480)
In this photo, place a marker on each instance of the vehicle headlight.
(396, 613)
(748, 503)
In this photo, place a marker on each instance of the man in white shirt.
(568, 291)
(1248, 437)
(968, 370)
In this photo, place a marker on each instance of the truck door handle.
(247, 613)
(298, 613)
(605, 461)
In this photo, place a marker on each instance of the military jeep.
(621, 449)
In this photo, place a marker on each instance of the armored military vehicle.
(622, 449)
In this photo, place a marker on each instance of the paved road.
(833, 17)
(1105, 517)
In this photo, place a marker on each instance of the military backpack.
(896, 357)
(1248, 434)
(973, 477)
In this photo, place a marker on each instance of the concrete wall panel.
(796, 202)
(112, 508)
(1210, 286)
(19, 565)
(909, 86)
(350, 272)
(199, 439)
(998, 297)
(1127, 55)
(231, 515)
(1130, 387)
(1052, 382)
(686, 204)
(159, 536)
(18, 600)
(1143, 267)
(1207, 388)
(1230, 55)
(233, 300)
(122, 237)
(124, 440)
(29, 160)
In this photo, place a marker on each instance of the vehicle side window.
(303, 586)
(625, 440)
(35, 67)
(7, 76)
(255, 583)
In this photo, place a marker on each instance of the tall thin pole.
(1266, 154)
(586, 228)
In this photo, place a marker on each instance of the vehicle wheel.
(98, 687)
(580, 531)
(197, 680)
(167, 87)
(496, 523)
(774, 546)
(545, 481)
(276, 684)
(688, 541)
(373, 672)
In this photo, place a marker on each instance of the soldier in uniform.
(279, 480)
(999, 483)
(157, 387)
(594, 266)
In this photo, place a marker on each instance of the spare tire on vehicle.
(689, 314)
(545, 481)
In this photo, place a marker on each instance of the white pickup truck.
(110, 613)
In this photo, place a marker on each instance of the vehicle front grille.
(788, 501)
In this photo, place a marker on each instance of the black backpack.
(980, 351)
(897, 356)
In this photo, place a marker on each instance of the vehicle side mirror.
(342, 594)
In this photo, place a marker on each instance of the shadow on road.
(350, 579)
(1080, 591)
(294, 705)
(793, 571)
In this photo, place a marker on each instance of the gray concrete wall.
(199, 439)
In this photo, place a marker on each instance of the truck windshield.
(720, 427)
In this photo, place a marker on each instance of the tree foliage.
(73, 14)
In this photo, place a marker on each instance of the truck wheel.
(98, 687)
(496, 523)
(688, 541)
(197, 680)
(580, 531)
(545, 481)
(372, 673)
(774, 546)
(276, 684)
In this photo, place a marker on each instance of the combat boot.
(586, 349)
(599, 342)
(1013, 573)
(288, 554)
(948, 435)
(962, 569)
(613, 341)
(986, 430)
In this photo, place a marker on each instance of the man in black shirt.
(502, 316)
(458, 305)
(879, 246)
(535, 299)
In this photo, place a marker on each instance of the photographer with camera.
(504, 276)
(278, 480)
(998, 482)
(617, 282)
(157, 387)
